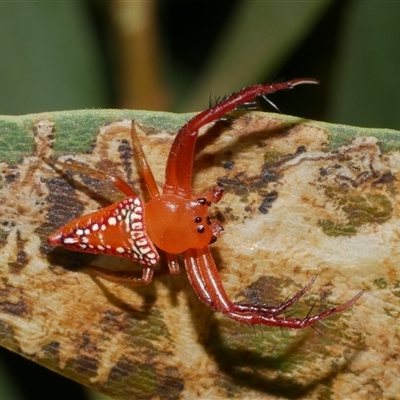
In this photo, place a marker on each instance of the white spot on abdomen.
(112, 221)
(70, 240)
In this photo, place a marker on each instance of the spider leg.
(127, 278)
(204, 277)
(116, 181)
(124, 277)
(212, 195)
(173, 263)
(144, 166)
(277, 310)
(113, 179)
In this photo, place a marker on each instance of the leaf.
(302, 198)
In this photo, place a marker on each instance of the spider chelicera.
(176, 221)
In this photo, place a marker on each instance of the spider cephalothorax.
(165, 216)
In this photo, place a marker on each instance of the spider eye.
(202, 201)
(213, 240)
(201, 229)
(198, 219)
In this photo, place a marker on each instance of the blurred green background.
(172, 55)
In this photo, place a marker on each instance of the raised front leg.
(178, 174)
(205, 280)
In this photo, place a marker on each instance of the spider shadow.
(252, 370)
(240, 144)
(245, 367)
(93, 188)
(79, 262)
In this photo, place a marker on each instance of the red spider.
(176, 221)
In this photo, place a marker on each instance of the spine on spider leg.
(236, 99)
(181, 157)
